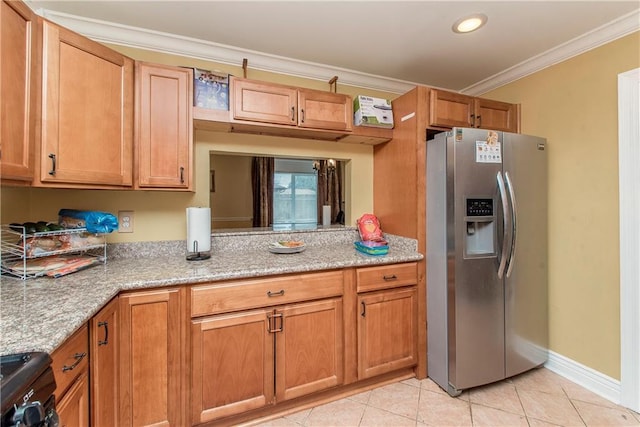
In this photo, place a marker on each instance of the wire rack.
(19, 248)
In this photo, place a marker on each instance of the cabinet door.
(19, 85)
(324, 110)
(151, 362)
(309, 348)
(163, 132)
(496, 115)
(264, 102)
(104, 366)
(87, 112)
(73, 408)
(387, 331)
(449, 109)
(232, 365)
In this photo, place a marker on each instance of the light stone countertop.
(39, 314)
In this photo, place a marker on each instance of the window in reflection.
(282, 193)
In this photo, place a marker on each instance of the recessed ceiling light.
(469, 23)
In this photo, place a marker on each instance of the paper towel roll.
(198, 229)
(326, 215)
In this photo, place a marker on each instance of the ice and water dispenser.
(480, 222)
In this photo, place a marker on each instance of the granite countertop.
(39, 314)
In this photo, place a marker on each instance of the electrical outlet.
(125, 221)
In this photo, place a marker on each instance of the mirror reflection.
(275, 192)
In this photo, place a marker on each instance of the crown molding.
(123, 35)
(604, 34)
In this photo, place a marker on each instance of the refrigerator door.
(475, 293)
(526, 324)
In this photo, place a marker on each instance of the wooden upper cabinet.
(163, 127)
(277, 104)
(324, 110)
(87, 113)
(449, 109)
(496, 115)
(264, 102)
(19, 84)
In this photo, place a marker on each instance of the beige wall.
(160, 215)
(574, 105)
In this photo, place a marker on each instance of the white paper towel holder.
(198, 228)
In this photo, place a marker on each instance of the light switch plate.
(125, 221)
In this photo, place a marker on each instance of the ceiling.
(404, 41)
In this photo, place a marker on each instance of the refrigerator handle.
(505, 225)
(514, 220)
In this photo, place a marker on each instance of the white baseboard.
(584, 376)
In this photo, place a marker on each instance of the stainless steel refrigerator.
(486, 256)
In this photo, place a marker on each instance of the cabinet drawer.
(386, 276)
(70, 360)
(244, 294)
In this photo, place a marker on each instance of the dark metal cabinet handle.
(275, 294)
(106, 333)
(479, 121)
(390, 277)
(53, 161)
(364, 309)
(78, 357)
(293, 114)
(473, 120)
(181, 175)
(302, 115)
(273, 322)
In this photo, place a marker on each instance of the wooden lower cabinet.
(251, 359)
(309, 348)
(387, 331)
(104, 367)
(152, 364)
(73, 408)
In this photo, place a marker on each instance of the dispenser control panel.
(479, 207)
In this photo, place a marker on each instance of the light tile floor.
(534, 399)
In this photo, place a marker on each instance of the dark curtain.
(330, 190)
(262, 169)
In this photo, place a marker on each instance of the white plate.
(277, 248)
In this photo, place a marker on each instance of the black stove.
(26, 388)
